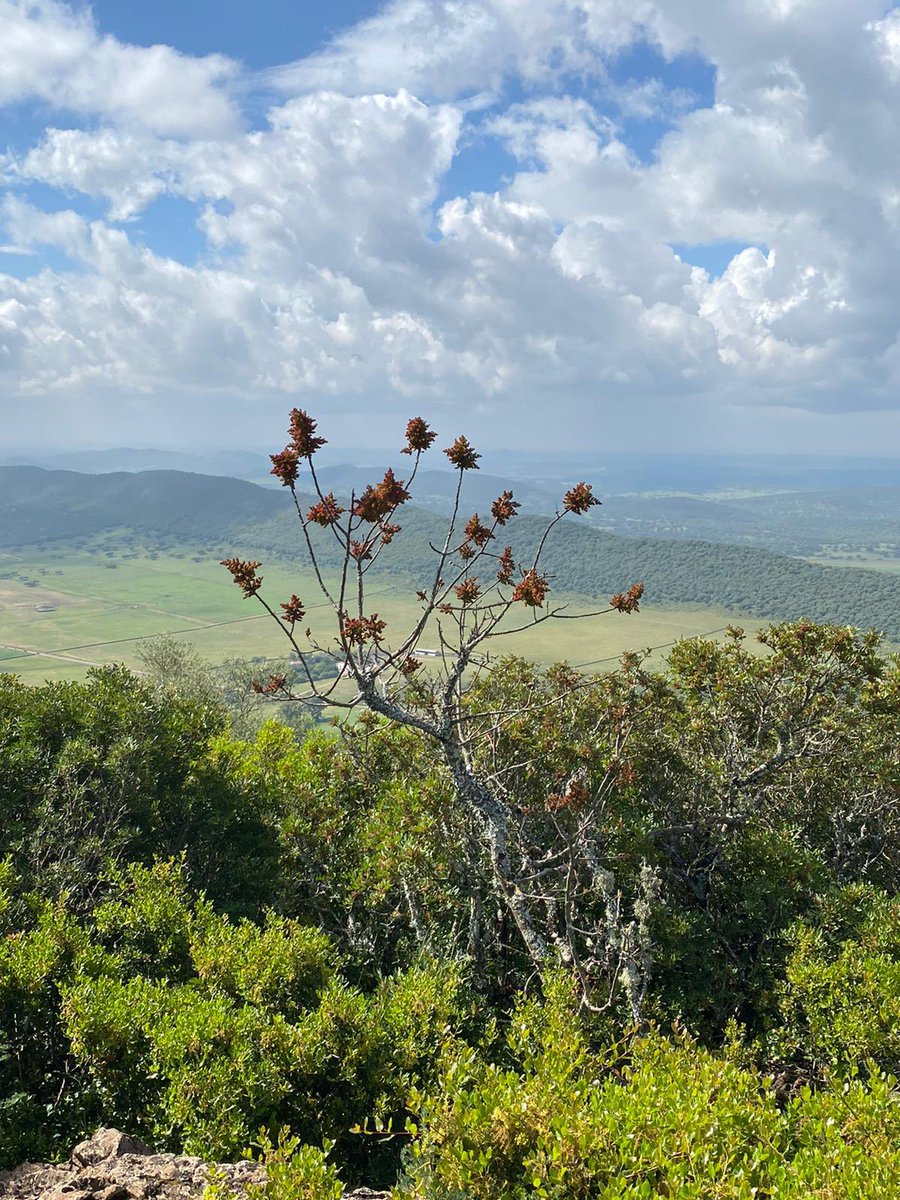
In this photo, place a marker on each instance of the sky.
(595, 224)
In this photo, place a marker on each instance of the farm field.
(858, 559)
(63, 610)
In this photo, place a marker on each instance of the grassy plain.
(64, 609)
(859, 559)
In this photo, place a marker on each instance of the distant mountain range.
(224, 515)
(791, 505)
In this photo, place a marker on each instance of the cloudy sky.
(550, 223)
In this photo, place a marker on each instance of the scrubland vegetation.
(509, 932)
(204, 935)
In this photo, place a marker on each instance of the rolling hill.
(225, 516)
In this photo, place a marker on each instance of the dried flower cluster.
(293, 611)
(418, 436)
(468, 591)
(579, 499)
(286, 466)
(275, 683)
(325, 512)
(302, 432)
(359, 630)
(377, 502)
(462, 455)
(628, 602)
(244, 575)
(504, 508)
(476, 532)
(505, 566)
(531, 589)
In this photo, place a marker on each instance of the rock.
(115, 1166)
(107, 1143)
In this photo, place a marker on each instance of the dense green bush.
(203, 935)
(195, 1030)
(658, 1117)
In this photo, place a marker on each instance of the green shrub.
(840, 999)
(656, 1118)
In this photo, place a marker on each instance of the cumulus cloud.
(55, 54)
(338, 259)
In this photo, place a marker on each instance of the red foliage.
(462, 455)
(628, 602)
(293, 610)
(302, 432)
(504, 508)
(276, 683)
(244, 575)
(531, 589)
(579, 499)
(468, 591)
(476, 532)
(286, 466)
(377, 502)
(418, 436)
(326, 512)
(358, 630)
(506, 566)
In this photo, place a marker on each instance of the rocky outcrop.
(115, 1166)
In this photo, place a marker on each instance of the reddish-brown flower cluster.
(358, 630)
(410, 665)
(360, 550)
(531, 589)
(326, 511)
(504, 508)
(302, 432)
(505, 566)
(420, 595)
(388, 533)
(623, 772)
(630, 601)
(466, 551)
(244, 575)
(468, 591)
(286, 466)
(476, 532)
(579, 499)
(418, 436)
(576, 793)
(462, 455)
(377, 502)
(276, 683)
(293, 610)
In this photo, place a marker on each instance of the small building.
(45, 608)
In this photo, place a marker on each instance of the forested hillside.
(228, 516)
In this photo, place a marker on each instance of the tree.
(476, 593)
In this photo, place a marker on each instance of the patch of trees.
(203, 934)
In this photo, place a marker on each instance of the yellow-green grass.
(100, 614)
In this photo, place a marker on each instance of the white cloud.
(327, 270)
(54, 54)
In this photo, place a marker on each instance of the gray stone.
(107, 1143)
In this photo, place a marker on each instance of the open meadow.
(65, 609)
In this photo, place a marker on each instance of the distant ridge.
(224, 515)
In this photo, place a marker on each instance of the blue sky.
(261, 33)
(656, 222)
